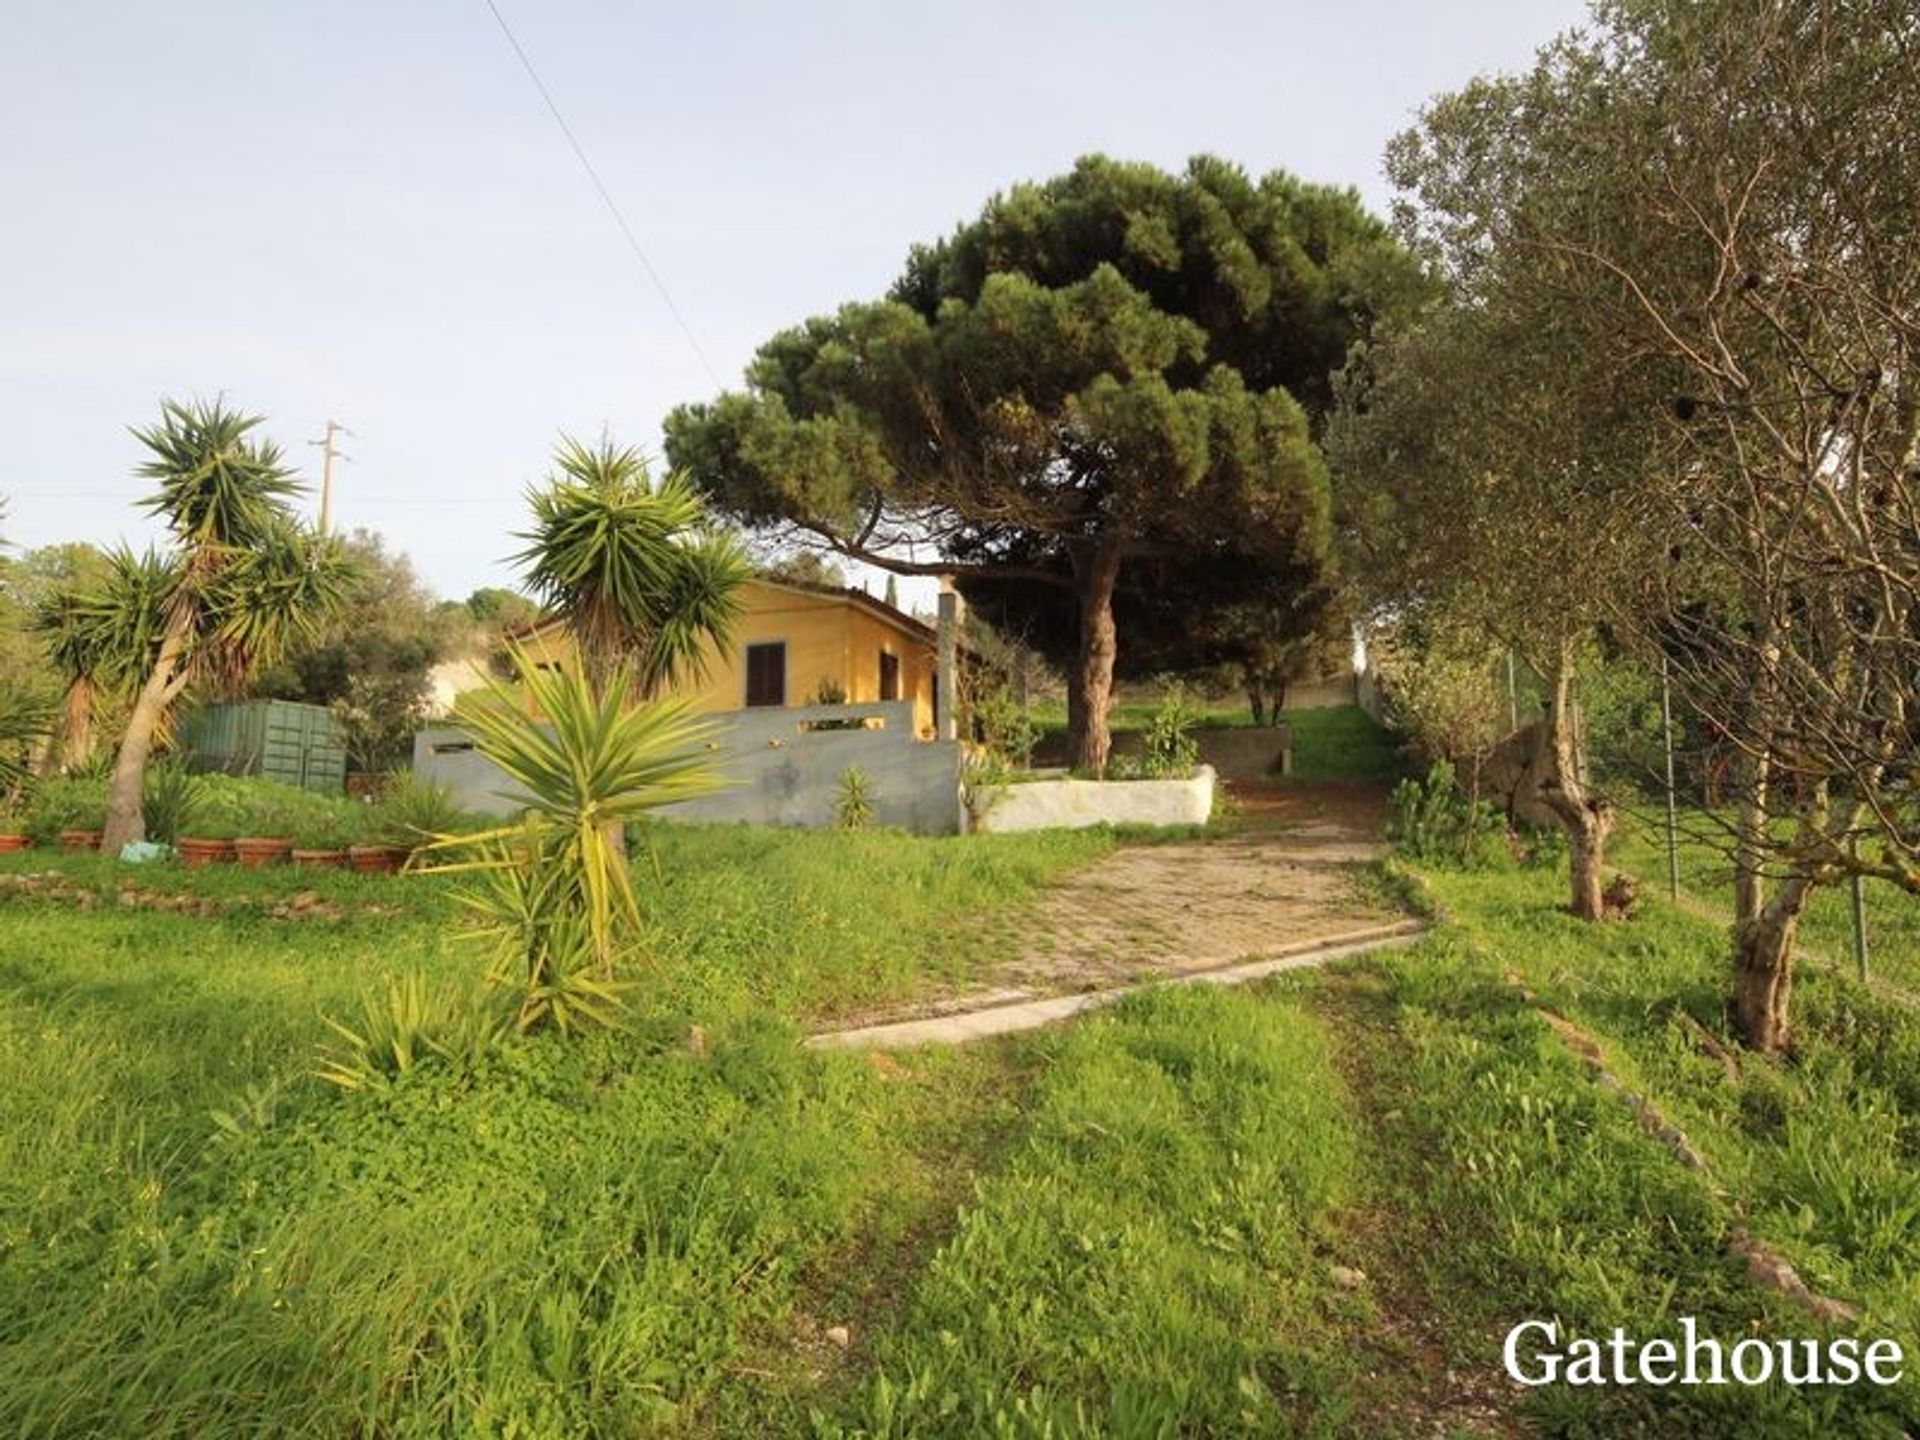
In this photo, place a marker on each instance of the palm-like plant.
(553, 890)
(633, 569)
(246, 576)
(101, 636)
(25, 720)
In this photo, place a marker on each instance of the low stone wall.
(782, 767)
(1069, 804)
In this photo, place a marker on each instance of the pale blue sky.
(362, 210)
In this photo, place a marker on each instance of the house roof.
(858, 599)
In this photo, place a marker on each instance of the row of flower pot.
(254, 853)
(249, 851)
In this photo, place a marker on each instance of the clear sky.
(360, 209)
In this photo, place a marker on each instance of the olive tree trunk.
(1763, 966)
(1586, 817)
(1090, 684)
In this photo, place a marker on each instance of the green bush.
(169, 800)
(853, 809)
(65, 804)
(413, 812)
(1171, 750)
(1431, 820)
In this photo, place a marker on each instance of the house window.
(767, 674)
(889, 676)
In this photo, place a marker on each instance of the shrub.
(398, 1029)
(413, 813)
(853, 810)
(65, 804)
(168, 800)
(553, 892)
(1432, 821)
(1171, 750)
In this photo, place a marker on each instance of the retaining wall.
(1069, 804)
(782, 767)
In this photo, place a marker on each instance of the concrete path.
(1282, 886)
(965, 1025)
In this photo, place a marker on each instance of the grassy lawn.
(1706, 874)
(1312, 1206)
(1340, 742)
(562, 1239)
(1554, 1200)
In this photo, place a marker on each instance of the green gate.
(280, 739)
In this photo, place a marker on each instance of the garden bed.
(1070, 804)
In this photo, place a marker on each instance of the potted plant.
(412, 815)
(13, 828)
(216, 825)
(322, 842)
(266, 838)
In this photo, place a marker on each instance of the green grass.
(1706, 873)
(560, 1239)
(1127, 1226)
(1343, 743)
(1150, 1260)
(1340, 742)
(1556, 1201)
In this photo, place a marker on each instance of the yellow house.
(801, 644)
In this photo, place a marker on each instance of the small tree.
(242, 579)
(645, 586)
(1717, 198)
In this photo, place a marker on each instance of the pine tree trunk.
(1091, 681)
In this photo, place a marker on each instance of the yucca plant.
(853, 806)
(26, 718)
(553, 890)
(642, 582)
(170, 801)
(243, 577)
(400, 1027)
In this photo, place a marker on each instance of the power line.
(633, 242)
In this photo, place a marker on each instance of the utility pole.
(328, 455)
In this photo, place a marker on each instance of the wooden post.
(1673, 816)
(946, 720)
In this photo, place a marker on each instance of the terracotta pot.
(320, 859)
(377, 859)
(256, 851)
(203, 851)
(78, 840)
(12, 841)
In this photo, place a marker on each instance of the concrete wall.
(1069, 804)
(780, 769)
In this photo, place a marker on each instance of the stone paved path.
(1285, 882)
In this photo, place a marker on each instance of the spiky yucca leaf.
(553, 889)
(630, 567)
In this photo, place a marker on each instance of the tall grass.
(543, 1240)
(1148, 1261)
(1555, 1199)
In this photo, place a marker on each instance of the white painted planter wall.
(1075, 804)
